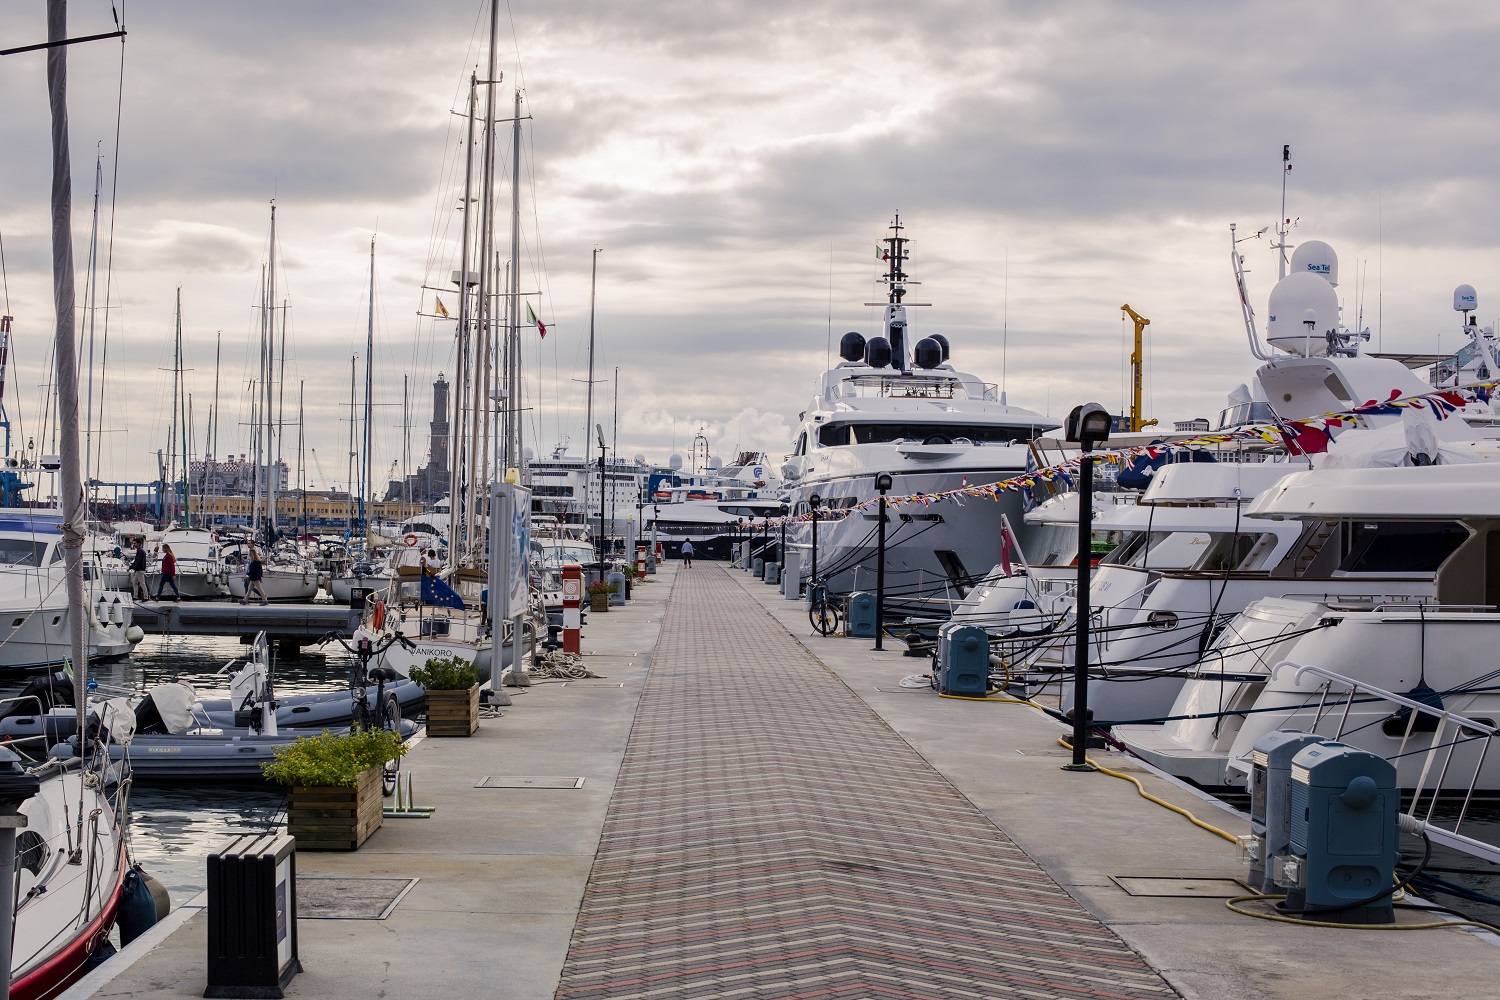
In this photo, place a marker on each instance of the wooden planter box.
(598, 602)
(453, 713)
(332, 818)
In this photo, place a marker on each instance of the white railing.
(1452, 732)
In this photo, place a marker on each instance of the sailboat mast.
(255, 436)
(588, 419)
(93, 296)
(70, 495)
(513, 338)
(364, 485)
(172, 425)
(272, 443)
(185, 415)
(349, 465)
(405, 444)
(212, 464)
(301, 460)
(455, 425)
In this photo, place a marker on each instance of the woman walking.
(168, 574)
(254, 575)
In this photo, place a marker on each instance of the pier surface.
(768, 814)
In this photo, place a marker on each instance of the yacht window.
(1399, 546)
(1126, 552)
(801, 448)
(1228, 551)
(22, 552)
(888, 432)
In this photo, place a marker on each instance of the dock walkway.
(767, 813)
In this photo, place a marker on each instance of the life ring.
(377, 618)
(410, 540)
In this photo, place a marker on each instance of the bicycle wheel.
(824, 617)
(359, 716)
(390, 774)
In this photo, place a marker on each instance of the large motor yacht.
(895, 405)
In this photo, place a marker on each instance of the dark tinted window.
(1399, 546)
(937, 433)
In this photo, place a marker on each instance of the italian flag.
(541, 327)
(881, 253)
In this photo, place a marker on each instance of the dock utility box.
(773, 573)
(861, 616)
(252, 917)
(1270, 800)
(1343, 842)
(758, 567)
(963, 660)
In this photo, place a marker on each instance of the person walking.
(687, 555)
(168, 574)
(255, 574)
(138, 591)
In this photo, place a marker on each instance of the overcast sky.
(738, 162)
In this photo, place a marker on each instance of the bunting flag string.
(1309, 436)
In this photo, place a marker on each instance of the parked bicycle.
(385, 713)
(822, 610)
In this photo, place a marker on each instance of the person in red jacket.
(168, 574)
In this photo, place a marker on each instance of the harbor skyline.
(738, 168)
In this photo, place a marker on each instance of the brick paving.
(771, 838)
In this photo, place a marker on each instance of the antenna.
(1283, 223)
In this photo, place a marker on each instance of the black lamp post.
(814, 502)
(1089, 426)
(882, 486)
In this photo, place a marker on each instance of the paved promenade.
(770, 836)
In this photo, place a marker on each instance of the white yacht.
(707, 508)
(288, 575)
(200, 568)
(1429, 531)
(34, 615)
(895, 405)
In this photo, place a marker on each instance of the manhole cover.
(1206, 886)
(327, 898)
(521, 781)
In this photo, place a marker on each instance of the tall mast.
(512, 457)
(70, 495)
(176, 410)
(1283, 224)
(184, 415)
(455, 425)
(212, 463)
(301, 460)
(588, 413)
(364, 478)
(93, 295)
(405, 445)
(266, 383)
(484, 329)
(349, 465)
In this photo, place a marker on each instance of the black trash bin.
(252, 917)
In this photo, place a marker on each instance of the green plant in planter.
(333, 758)
(447, 673)
(602, 588)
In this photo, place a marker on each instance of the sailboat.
(72, 858)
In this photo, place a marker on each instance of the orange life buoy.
(377, 619)
(410, 540)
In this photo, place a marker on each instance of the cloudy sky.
(738, 162)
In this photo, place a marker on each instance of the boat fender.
(134, 634)
(159, 895)
(138, 913)
(410, 540)
(377, 617)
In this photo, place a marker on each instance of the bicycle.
(386, 712)
(822, 610)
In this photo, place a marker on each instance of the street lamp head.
(814, 501)
(883, 482)
(1088, 425)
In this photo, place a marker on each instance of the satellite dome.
(942, 342)
(1298, 298)
(640, 459)
(528, 454)
(928, 353)
(878, 352)
(1316, 257)
(1465, 299)
(715, 462)
(675, 462)
(852, 346)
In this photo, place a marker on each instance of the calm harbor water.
(174, 827)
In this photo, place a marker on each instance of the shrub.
(602, 588)
(333, 758)
(447, 673)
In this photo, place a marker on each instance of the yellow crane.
(1137, 368)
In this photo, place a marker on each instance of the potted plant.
(335, 801)
(599, 595)
(452, 695)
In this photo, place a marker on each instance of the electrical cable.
(1225, 834)
(1280, 918)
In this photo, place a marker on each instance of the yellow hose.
(1161, 802)
(1282, 918)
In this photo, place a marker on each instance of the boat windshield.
(24, 552)
(932, 432)
(1214, 551)
(554, 556)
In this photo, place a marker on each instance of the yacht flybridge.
(895, 404)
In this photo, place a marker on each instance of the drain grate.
(1203, 886)
(321, 897)
(523, 781)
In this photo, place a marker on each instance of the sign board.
(510, 551)
(572, 589)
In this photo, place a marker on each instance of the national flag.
(442, 310)
(881, 253)
(1007, 543)
(541, 327)
(438, 593)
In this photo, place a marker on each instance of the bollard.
(640, 560)
(572, 608)
(252, 917)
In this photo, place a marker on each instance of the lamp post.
(882, 486)
(814, 502)
(600, 429)
(1089, 426)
